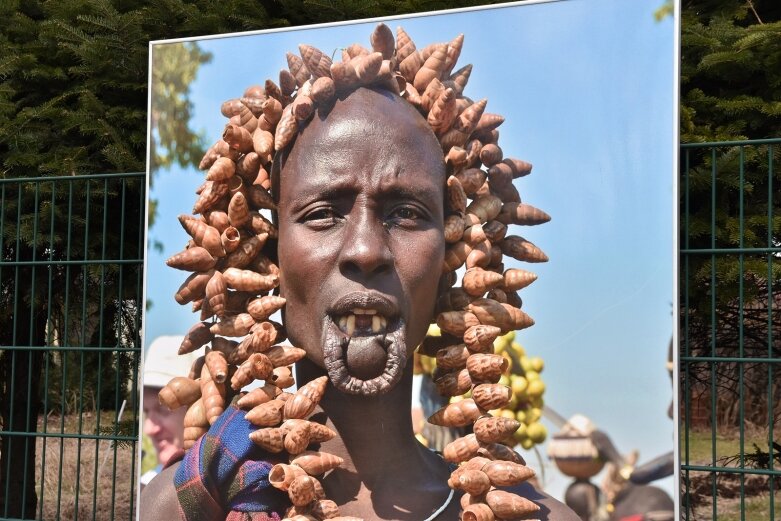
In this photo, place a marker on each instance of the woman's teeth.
(363, 320)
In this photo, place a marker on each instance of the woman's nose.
(365, 249)
(151, 427)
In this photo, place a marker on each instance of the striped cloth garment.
(225, 476)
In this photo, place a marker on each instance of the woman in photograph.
(373, 166)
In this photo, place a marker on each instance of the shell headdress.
(233, 275)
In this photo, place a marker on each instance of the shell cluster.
(233, 276)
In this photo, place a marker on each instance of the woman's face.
(361, 239)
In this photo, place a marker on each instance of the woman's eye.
(405, 213)
(321, 214)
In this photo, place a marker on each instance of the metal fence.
(730, 330)
(71, 258)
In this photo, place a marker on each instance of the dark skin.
(361, 215)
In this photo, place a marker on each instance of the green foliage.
(730, 90)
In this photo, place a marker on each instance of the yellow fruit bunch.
(522, 377)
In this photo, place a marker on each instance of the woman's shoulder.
(158, 499)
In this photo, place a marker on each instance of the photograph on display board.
(422, 271)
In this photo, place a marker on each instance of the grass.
(79, 483)
(729, 489)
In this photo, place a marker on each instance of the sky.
(587, 90)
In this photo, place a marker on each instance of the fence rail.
(730, 329)
(71, 259)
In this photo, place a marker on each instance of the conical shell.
(522, 214)
(432, 68)
(258, 396)
(247, 119)
(272, 111)
(499, 451)
(297, 437)
(316, 463)
(203, 235)
(484, 367)
(245, 280)
(238, 138)
(485, 208)
(490, 155)
(229, 348)
(454, 228)
(260, 224)
(507, 473)
(456, 194)
(507, 505)
(230, 239)
(282, 475)
(213, 395)
(303, 107)
(282, 377)
(246, 252)
(453, 53)
(453, 384)
(178, 392)
(231, 108)
(193, 288)
(215, 294)
(515, 279)
(471, 180)
(474, 234)
(196, 367)
(494, 231)
(262, 142)
(488, 122)
(267, 414)
(272, 89)
(473, 148)
(219, 149)
(473, 481)
(197, 336)
(218, 220)
(452, 357)
(455, 255)
(457, 414)
(218, 366)
(263, 336)
(195, 423)
(480, 256)
(318, 433)
(456, 159)
(461, 449)
(222, 169)
(192, 259)
(501, 176)
(271, 439)
(263, 307)
(480, 338)
(477, 281)
(287, 83)
(431, 94)
(382, 41)
(409, 67)
(286, 129)
(518, 167)
(404, 44)
(454, 299)
(456, 322)
(297, 68)
(493, 429)
(443, 112)
(302, 491)
(316, 62)
(460, 78)
(212, 192)
(323, 90)
(234, 325)
(491, 396)
(478, 512)
(287, 355)
(518, 319)
(491, 313)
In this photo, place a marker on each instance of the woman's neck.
(384, 465)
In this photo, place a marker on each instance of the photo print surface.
(585, 89)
